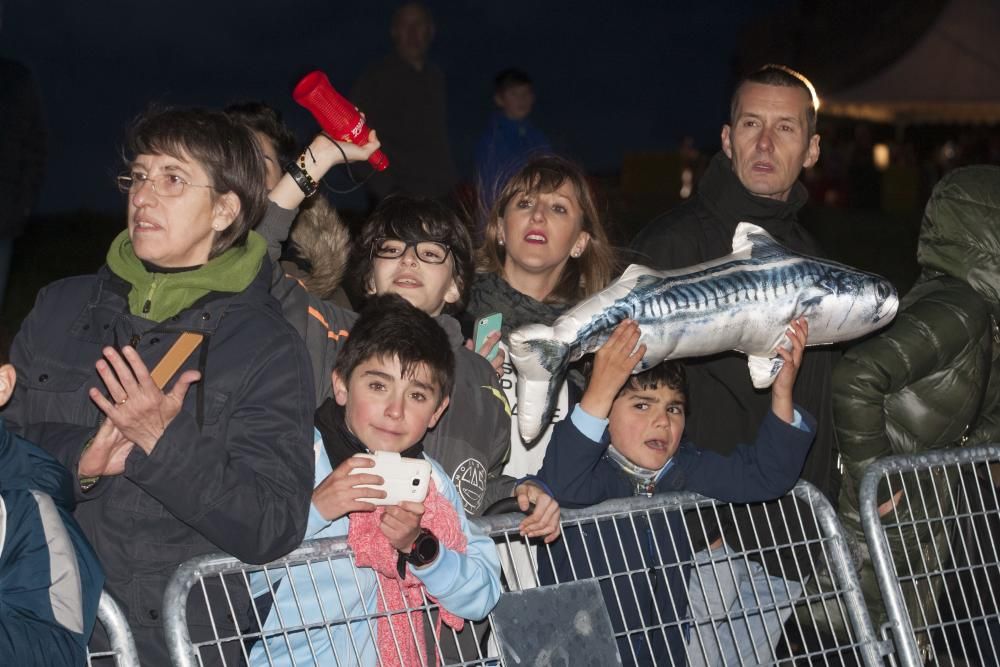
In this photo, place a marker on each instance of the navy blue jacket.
(50, 579)
(504, 148)
(654, 547)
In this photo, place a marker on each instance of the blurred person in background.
(510, 138)
(404, 96)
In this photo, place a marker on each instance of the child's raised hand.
(781, 390)
(335, 151)
(613, 364)
(339, 493)
(322, 154)
(401, 524)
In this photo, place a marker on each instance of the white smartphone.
(402, 479)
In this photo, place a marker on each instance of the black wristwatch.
(424, 550)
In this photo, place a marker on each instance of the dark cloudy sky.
(611, 77)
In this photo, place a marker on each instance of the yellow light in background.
(880, 156)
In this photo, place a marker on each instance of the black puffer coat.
(932, 379)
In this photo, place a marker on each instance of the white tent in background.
(951, 75)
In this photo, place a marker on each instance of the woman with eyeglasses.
(213, 453)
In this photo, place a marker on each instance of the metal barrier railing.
(730, 609)
(122, 652)
(322, 629)
(935, 555)
(631, 563)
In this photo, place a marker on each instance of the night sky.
(610, 77)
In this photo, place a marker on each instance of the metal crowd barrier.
(329, 633)
(122, 651)
(941, 590)
(628, 585)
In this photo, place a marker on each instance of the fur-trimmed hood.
(322, 239)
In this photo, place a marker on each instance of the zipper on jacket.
(148, 304)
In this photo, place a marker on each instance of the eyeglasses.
(165, 185)
(429, 252)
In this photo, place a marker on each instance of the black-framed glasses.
(429, 252)
(164, 185)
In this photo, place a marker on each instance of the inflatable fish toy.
(744, 302)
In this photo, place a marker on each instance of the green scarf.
(157, 296)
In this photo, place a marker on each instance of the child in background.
(50, 578)
(624, 439)
(510, 139)
(391, 384)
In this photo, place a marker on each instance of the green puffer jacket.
(932, 379)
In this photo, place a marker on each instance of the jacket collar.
(339, 442)
(723, 194)
(643, 480)
(110, 294)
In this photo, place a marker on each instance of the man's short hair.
(779, 75)
(509, 78)
(389, 327)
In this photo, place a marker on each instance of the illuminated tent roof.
(951, 75)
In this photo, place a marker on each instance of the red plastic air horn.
(335, 115)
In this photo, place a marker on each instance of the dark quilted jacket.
(931, 379)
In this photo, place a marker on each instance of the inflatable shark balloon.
(743, 301)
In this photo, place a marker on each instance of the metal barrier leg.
(122, 645)
(938, 589)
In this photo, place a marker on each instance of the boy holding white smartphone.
(391, 383)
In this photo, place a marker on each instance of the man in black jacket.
(770, 138)
(405, 96)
